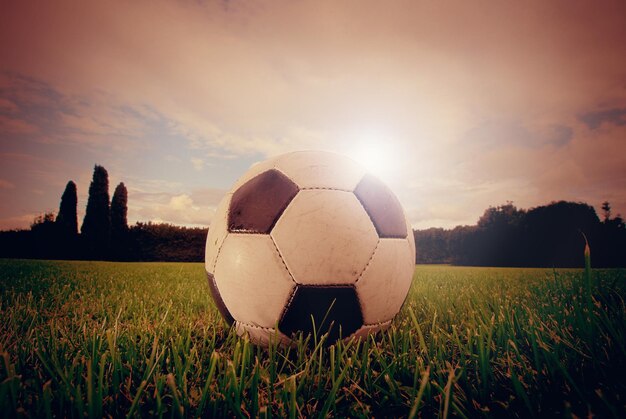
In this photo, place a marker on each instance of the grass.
(93, 339)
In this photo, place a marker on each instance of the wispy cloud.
(5, 184)
(197, 163)
(181, 209)
(16, 126)
(7, 106)
(594, 119)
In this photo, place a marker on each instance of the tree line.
(549, 235)
(104, 233)
(545, 236)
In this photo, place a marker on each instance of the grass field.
(111, 339)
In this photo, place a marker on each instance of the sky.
(457, 106)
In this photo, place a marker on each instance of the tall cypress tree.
(67, 220)
(119, 211)
(96, 228)
(119, 223)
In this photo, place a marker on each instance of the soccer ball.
(309, 242)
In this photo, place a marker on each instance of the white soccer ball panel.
(254, 170)
(262, 336)
(385, 283)
(252, 279)
(218, 229)
(325, 237)
(370, 329)
(319, 169)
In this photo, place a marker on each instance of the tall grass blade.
(420, 393)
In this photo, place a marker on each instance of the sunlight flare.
(374, 153)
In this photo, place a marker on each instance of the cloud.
(239, 78)
(208, 197)
(177, 209)
(180, 202)
(594, 119)
(6, 106)
(557, 135)
(502, 133)
(163, 201)
(33, 167)
(93, 120)
(16, 126)
(197, 163)
(5, 184)
(250, 79)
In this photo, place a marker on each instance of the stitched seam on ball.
(219, 250)
(377, 324)
(271, 329)
(247, 232)
(280, 256)
(368, 262)
(293, 294)
(322, 188)
(288, 305)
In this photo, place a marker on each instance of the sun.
(374, 153)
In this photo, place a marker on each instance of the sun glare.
(374, 155)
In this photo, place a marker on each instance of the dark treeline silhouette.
(166, 242)
(143, 242)
(550, 235)
(545, 236)
(105, 234)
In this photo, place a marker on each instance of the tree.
(119, 211)
(552, 233)
(606, 208)
(42, 233)
(119, 223)
(166, 242)
(96, 228)
(502, 215)
(42, 221)
(433, 246)
(496, 241)
(67, 220)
